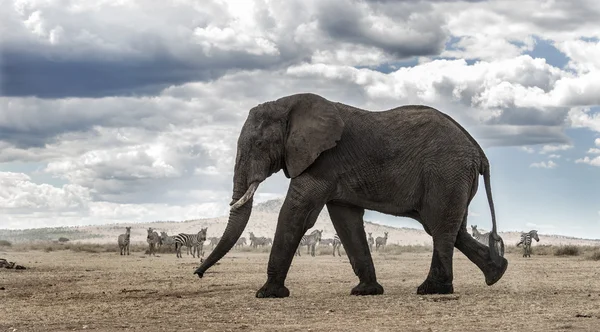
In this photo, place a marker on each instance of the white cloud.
(584, 118)
(552, 148)
(527, 149)
(544, 164)
(587, 160)
(554, 156)
(18, 192)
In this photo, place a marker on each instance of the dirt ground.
(68, 291)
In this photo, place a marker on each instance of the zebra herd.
(194, 243)
(315, 238)
(525, 240)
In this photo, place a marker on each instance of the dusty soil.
(66, 291)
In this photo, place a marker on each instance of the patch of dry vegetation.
(567, 250)
(595, 255)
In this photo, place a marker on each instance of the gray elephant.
(411, 161)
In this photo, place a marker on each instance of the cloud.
(527, 149)
(26, 204)
(137, 106)
(584, 118)
(19, 193)
(53, 49)
(553, 148)
(544, 164)
(590, 161)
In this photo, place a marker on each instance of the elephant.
(411, 161)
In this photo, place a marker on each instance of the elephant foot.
(372, 288)
(429, 287)
(496, 272)
(273, 290)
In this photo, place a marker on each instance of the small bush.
(595, 255)
(542, 250)
(5, 243)
(567, 250)
(63, 239)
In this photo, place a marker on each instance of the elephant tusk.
(249, 193)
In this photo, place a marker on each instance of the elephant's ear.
(314, 125)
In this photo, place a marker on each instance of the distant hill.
(262, 222)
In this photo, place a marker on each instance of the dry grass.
(65, 290)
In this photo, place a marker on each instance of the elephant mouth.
(249, 193)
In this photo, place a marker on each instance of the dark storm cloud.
(419, 29)
(499, 135)
(37, 75)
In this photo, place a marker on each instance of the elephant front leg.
(297, 215)
(349, 225)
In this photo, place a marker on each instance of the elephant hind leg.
(480, 255)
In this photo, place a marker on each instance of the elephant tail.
(494, 238)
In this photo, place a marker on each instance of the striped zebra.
(381, 241)
(526, 242)
(241, 242)
(326, 242)
(310, 241)
(258, 241)
(124, 241)
(166, 239)
(192, 241)
(371, 241)
(337, 243)
(484, 239)
(153, 240)
(213, 241)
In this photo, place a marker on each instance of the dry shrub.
(542, 250)
(595, 255)
(5, 243)
(567, 250)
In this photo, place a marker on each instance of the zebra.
(191, 241)
(124, 241)
(325, 242)
(310, 241)
(258, 241)
(213, 241)
(526, 241)
(166, 239)
(240, 242)
(381, 241)
(371, 241)
(337, 243)
(483, 238)
(153, 239)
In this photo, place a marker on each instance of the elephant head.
(289, 134)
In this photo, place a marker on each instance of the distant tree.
(63, 239)
(4, 243)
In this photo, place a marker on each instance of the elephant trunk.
(238, 219)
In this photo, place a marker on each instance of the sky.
(129, 111)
